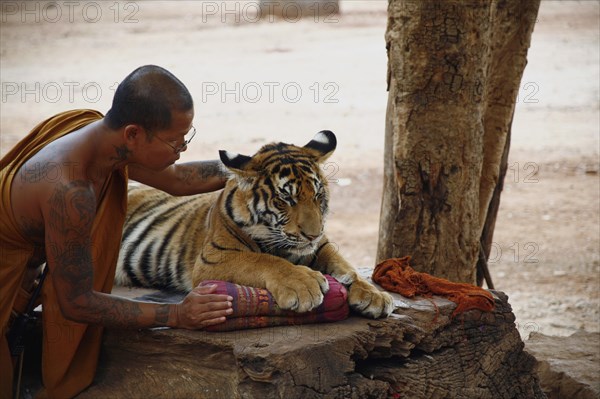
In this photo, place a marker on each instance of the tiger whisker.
(273, 243)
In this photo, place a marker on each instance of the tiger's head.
(279, 196)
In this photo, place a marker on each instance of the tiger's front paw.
(302, 290)
(369, 301)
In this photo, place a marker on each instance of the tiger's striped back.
(156, 226)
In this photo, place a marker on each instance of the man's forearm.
(113, 311)
(199, 177)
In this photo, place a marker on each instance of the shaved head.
(147, 97)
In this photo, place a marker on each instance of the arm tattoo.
(113, 311)
(162, 315)
(208, 169)
(184, 173)
(68, 227)
(202, 171)
(72, 208)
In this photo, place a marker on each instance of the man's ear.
(131, 133)
(322, 145)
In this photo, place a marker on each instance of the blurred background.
(257, 78)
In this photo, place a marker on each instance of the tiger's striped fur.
(264, 229)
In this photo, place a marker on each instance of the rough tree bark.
(454, 70)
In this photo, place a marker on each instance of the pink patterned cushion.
(255, 307)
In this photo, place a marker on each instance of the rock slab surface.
(568, 367)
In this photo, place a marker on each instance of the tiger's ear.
(238, 164)
(233, 160)
(322, 145)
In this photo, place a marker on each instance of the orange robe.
(70, 350)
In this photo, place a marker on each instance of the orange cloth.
(396, 275)
(70, 350)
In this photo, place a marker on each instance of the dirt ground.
(256, 81)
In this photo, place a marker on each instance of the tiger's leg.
(293, 287)
(362, 296)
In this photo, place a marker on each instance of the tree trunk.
(454, 70)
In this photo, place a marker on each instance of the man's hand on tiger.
(201, 308)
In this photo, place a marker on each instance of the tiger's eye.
(287, 198)
(279, 203)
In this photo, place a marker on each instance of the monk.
(64, 198)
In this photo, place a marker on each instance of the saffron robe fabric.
(70, 350)
(396, 275)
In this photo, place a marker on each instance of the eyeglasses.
(180, 147)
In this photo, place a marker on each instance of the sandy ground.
(256, 81)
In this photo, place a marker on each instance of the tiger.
(264, 229)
